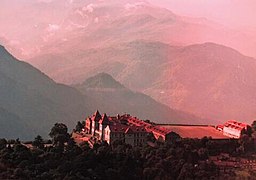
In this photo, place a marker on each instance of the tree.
(186, 172)
(248, 131)
(254, 125)
(59, 134)
(3, 143)
(38, 142)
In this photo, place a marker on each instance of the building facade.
(233, 129)
(125, 128)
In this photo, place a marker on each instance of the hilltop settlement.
(125, 147)
(133, 131)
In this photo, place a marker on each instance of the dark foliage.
(179, 159)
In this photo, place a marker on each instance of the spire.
(96, 113)
(104, 119)
(97, 116)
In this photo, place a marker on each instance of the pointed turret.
(96, 116)
(104, 119)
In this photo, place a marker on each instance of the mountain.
(146, 48)
(32, 102)
(108, 95)
(57, 26)
(10, 122)
(102, 81)
(209, 80)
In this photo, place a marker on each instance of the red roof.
(129, 131)
(157, 129)
(118, 128)
(133, 125)
(137, 129)
(236, 125)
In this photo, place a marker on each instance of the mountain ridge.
(102, 80)
(30, 96)
(104, 21)
(173, 74)
(32, 102)
(112, 99)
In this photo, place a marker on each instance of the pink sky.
(229, 12)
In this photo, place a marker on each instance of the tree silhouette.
(3, 143)
(59, 135)
(38, 142)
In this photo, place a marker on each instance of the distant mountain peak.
(210, 45)
(215, 48)
(102, 80)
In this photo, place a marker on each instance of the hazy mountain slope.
(31, 102)
(132, 60)
(9, 123)
(108, 95)
(210, 80)
(37, 101)
(59, 25)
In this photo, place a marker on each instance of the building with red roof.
(133, 131)
(110, 129)
(233, 128)
(92, 123)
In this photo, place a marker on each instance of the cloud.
(78, 25)
(53, 27)
(79, 12)
(89, 8)
(129, 6)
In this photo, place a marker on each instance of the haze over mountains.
(58, 25)
(148, 49)
(31, 103)
(209, 80)
(105, 92)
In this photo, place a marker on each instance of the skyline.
(71, 41)
(233, 13)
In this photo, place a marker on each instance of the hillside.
(101, 81)
(65, 25)
(32, 102)
(108, 95)
(209, 80)
(10, 122)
